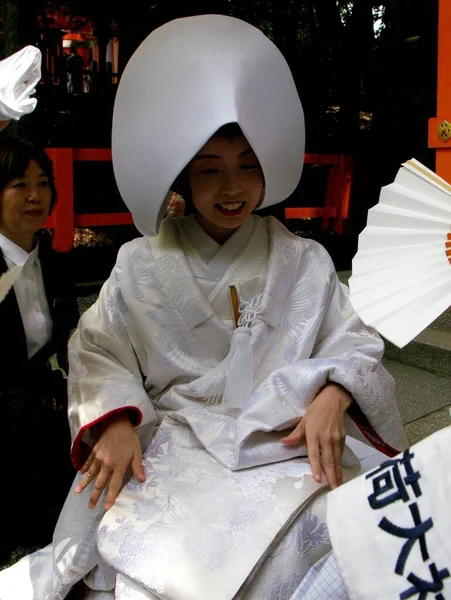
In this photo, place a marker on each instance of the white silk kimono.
(226, 510)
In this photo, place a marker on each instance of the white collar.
(208, 247)
(204, 244)
(16, 254)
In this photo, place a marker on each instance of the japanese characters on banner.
(397, 480)
(391, 527)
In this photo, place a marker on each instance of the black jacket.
(35, 440)
(15, 367)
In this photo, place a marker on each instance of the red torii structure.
(64, 221)
(439, 136)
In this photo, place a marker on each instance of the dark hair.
(181, 186)
(15, 156)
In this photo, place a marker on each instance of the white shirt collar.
(16, 254)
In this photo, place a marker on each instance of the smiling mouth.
(34, 213)
(231, 208)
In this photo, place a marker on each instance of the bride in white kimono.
(208, 344)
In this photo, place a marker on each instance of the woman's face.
(25, 205)
(226, 183)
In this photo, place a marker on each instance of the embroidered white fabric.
(152, 322)
(219, 485)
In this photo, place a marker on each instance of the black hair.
(15, 156)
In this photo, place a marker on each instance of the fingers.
(114, 487)
(325, 454)
(116, 478)
(296, 436)
(328, 462)
(117, 448)
(88, 462)
(94, 472)
(313, 451)
(99, 485)
(137, 466)
(331, 459)
(86, 480)
(337, 449)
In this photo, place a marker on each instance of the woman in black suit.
(36, 318)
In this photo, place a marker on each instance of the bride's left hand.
(324, 431)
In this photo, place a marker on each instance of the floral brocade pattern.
(153, 325)
(193, 520)
(220, 485)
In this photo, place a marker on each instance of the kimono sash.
(391, 528)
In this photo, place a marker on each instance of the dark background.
(365, 71)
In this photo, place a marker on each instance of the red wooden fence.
(63, 219)
(338, 192)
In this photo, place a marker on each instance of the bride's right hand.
(118, 447)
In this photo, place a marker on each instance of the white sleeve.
(104, 372)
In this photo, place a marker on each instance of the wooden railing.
(338, 192)
(64, 220)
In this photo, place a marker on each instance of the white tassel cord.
(232, 380)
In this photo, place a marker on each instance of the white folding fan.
(7, 280)
(401, 274)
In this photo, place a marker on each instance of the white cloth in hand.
(19, 74)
